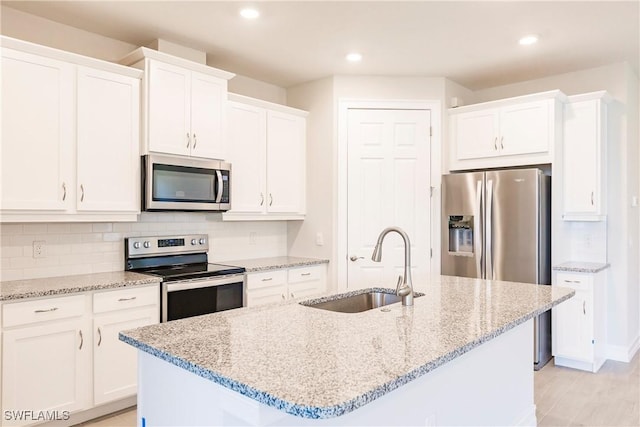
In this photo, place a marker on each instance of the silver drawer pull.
(64, 189)
(81, 339)
(99, 337)
(305, 274)
(571, 281)
(127, 299)
(82, 191)
(267, 279)
(47, 310)
(195, 140)
(292, 295)
(584, 310)
(283, 297)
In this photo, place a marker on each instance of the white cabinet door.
(285, 162)
(583, 160)
(266, 295)
(574, 320)
(115, 363)
(37, 132)
(208, 95)
(108, 142)
(524, 128)
(46, 366)
(246, 149)
(476, 134)
(169, 108)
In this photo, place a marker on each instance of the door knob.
(355, 258)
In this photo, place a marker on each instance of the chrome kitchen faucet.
(404, 288)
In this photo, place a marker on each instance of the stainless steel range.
(191, 286)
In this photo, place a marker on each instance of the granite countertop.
(581, 267)
(274, 263)
(316, 363)
(51, 286)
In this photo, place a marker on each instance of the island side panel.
(489, 385)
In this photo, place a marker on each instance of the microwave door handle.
(220, 186)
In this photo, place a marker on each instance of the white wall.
(618, 243)
(257, 89)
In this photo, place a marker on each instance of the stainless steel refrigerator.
(497, 225)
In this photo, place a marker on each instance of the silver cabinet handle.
(495, 143)
(261, 199)
(306, 274)
(127, 299)
(99, 337)
(188, 140)
(267, 279)
(501, 142)
(195, 140)
(592, 198)
(46, 311)
(292, 296)
(584, 310)
(283, 297)
(81, 339)
(270, 199)
(354, 258)
(571, 281)
(64, 191)
(81, 193)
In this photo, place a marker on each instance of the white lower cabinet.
(280, 285)
(49, 363)
(579, 333)
(46, 357)
(117, 311)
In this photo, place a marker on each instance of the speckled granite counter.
(315, 363)
(20, 289)
(581, 267)
(273, 263)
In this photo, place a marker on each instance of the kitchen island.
(463, 354)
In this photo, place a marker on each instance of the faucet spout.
(405, 286)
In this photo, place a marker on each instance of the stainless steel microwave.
(172, 183)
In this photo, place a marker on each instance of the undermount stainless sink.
(357, 303)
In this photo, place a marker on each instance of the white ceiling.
(471, 42)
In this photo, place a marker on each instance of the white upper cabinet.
(37, 132)
(511, 132)
(108, 141)
(70, 136)
(185, 105)
(584, 157)
(267, 150)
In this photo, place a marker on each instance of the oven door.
(189, 298)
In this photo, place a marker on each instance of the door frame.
(344, 105)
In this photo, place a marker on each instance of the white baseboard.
(529, 419)
(622, 353)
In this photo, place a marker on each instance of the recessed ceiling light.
(354, 57)
(249, 13)
(528, 40)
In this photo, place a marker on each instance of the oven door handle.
(204, 283)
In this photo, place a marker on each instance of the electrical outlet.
(39, 248)
(252, 237)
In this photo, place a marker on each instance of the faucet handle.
(401, 288)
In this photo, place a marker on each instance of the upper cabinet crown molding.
(539, 96)
(145, 52)
(69, 57)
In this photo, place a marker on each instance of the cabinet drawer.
(305, 274)
(125, 298)
(266, 279)
(574, 281)
(24, 313)
(266, 295)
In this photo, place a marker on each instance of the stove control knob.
(136, 245)
(201, 241)
(147, 244)
(194, 241)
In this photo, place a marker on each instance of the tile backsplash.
(81, 248)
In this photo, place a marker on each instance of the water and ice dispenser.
(461, 235)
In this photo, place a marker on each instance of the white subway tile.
(6, 263)
(48, 261)
(80, 228)
(10, 274)
(22, 240)
(37, 273)
(105, 267)
(10, 251)
(91, 237)
(81, 248)
(102, 227)
(35, 228)
(80, 269)
(59, 249)
(23, 262)
(112, 237)
(140, 226)
(69, 238)
(122, 227)
(10, 229)
(58, 228)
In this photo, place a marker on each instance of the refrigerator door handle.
(476, 232)
(488, 227)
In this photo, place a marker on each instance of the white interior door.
(388, 185)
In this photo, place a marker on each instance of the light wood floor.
(563, 397)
